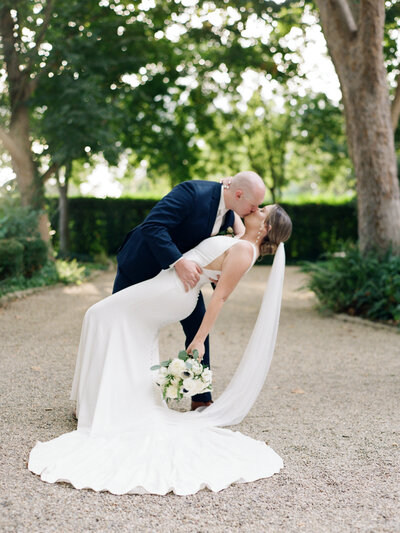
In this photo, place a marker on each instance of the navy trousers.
(190, 326)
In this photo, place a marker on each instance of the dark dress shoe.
(196, 405)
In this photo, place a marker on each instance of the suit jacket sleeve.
(170, 212)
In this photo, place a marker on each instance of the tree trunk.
(29, 183)
(273, 195)
(17, 141)
(355, 46)
(63, 215)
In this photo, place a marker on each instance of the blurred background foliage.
(156, 89)
(98, 226)
(128, 98)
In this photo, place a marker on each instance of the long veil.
(239, 396)
(123, 455)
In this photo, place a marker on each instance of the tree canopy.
(162, 82)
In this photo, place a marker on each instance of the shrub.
(17, 221)
(45, 276)
(367, 286)
(20, 224)
(35, 255)
(51, 273)
(11, 258)
(70, 271)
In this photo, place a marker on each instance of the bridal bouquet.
(183, 376)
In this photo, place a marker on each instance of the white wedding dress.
(128, 440)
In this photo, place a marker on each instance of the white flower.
(199, 386)
(183, 378)
(193, 386)
(161, 380)
(187, 373)
(176, 367)
(196, 367)
(206, 376)
(183, 391)
(176, 381)
(171, 392)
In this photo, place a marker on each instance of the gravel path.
(330, 408)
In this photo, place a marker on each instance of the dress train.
(128, 440)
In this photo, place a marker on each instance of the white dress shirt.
(221, 212)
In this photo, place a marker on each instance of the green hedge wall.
(319, 228)
(99, 225)
(35, 255)
(11, 258)
(21, 257)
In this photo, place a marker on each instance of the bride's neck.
(251, 236)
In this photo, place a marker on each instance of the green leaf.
(183, 355)
(155, 367)
(195, 354)
(166, 363)
(188, 365)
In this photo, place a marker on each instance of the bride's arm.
(234, 266)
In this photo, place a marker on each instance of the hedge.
(35, 255)
(99, 225)
(11, 258)
(21, 257)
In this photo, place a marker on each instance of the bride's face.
(256, 219)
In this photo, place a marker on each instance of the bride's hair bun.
(268, 248)
(281, 229)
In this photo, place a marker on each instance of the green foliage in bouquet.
(182, 376)
(181, 355)
(367, 286)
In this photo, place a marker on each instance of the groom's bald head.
(251, 184)
(244, 192)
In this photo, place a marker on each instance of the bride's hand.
(196, 345)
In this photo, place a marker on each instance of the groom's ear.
(238, 194)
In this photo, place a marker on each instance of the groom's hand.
(188, 272)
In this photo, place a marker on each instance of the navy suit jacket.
(176, 224)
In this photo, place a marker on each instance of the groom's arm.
(168, 213)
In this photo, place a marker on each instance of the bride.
(128, 440)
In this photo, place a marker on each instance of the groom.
(191, 212)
